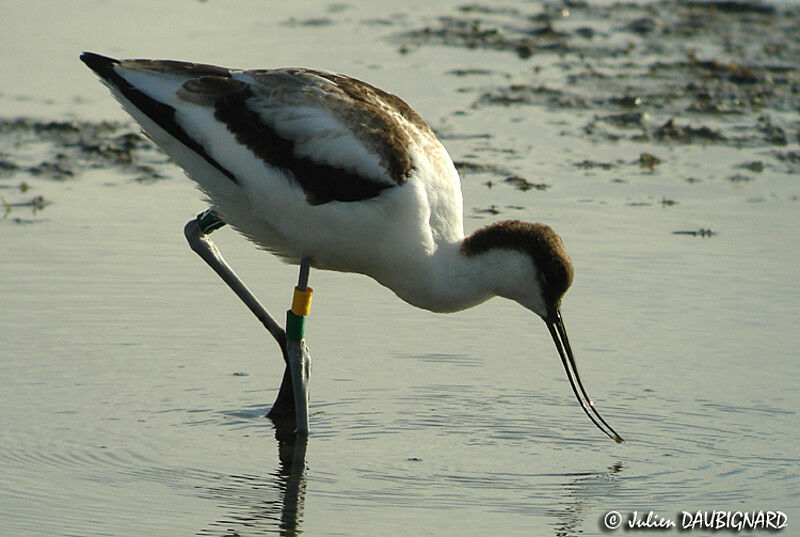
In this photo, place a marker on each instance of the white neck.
(447, 280)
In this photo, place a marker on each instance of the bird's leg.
(296, 349)
(196, 232)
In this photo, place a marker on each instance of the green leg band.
(295, 326)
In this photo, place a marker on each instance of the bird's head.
(537, 271)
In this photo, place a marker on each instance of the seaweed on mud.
(7, 167)
(686, 133)
(71, 146)
(517, 94)
(788, 160)
(664, 72)
(702, 232)
(756, 166)
(62, 150)
(469, 32)
(467, 167)
(648, 161)
(592, 164)
(520, 183)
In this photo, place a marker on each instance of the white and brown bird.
(309, 164)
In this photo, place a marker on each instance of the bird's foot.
(283, 407)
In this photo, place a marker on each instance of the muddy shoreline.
(669, 73)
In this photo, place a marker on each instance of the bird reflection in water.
(582, 492)
(292, 455)
(254, 510)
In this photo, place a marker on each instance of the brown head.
(550, 262)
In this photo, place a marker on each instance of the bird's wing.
(337, 138)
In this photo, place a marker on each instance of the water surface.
(134, 385)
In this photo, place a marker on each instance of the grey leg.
(196, 231)
(297, 351)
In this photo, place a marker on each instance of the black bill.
(556, 326)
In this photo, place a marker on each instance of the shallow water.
(133, 384)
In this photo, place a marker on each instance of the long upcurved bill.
(556, 326)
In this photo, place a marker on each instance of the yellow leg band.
(301, 302)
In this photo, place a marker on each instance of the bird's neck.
(448, 280)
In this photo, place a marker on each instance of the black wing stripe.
(160, 113)
(321, 183)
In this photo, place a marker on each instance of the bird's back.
(301, 161)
